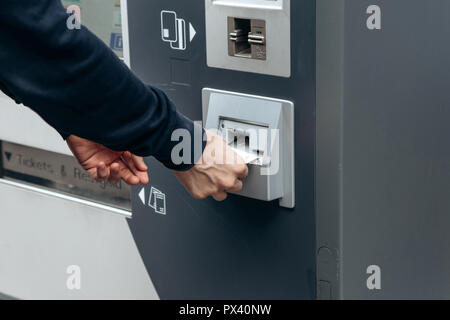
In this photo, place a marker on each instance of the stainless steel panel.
(61, 173)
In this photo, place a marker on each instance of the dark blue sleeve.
(79, 86)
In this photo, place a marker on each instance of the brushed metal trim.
(52, 194)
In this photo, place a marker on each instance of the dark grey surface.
(242, 248)
(389, 149)
(383, 161)
(330, 53)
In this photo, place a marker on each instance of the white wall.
(20, 125)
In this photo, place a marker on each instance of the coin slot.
(240, 38)
(247, 38)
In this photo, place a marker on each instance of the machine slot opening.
(239, 36)
(247, 38)
(246, 138)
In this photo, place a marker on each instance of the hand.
(104, 164)
(220, 170)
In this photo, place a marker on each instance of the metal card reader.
(261, 131)
(247, 139)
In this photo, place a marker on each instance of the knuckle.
(200, 195)
(221, 183)
(221, 199)
(196, 195)
(241, 168)
(225, 183)
(244, 168)
(238, 187)
(230, 183)
(215, 189)
(203, 196)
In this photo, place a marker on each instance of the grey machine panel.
(275, 15)
(242, 248)
(383, 156)
(372, 171)
(261, 130)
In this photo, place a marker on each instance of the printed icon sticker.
(169, 26)
(174, 29)
(157, 200)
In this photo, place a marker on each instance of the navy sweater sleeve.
(79, 86)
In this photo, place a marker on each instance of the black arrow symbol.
(8, 155)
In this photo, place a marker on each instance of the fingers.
(114, 178)
(238, 185)
(240, 168)
(221, 170)
(139, 162)
(102, 172)
(137, 166)
(125, 169)
(241, 171)
(104, 164)
(127, 176)
(220, 196)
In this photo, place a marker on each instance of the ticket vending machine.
(238, 70)
(357, 90)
